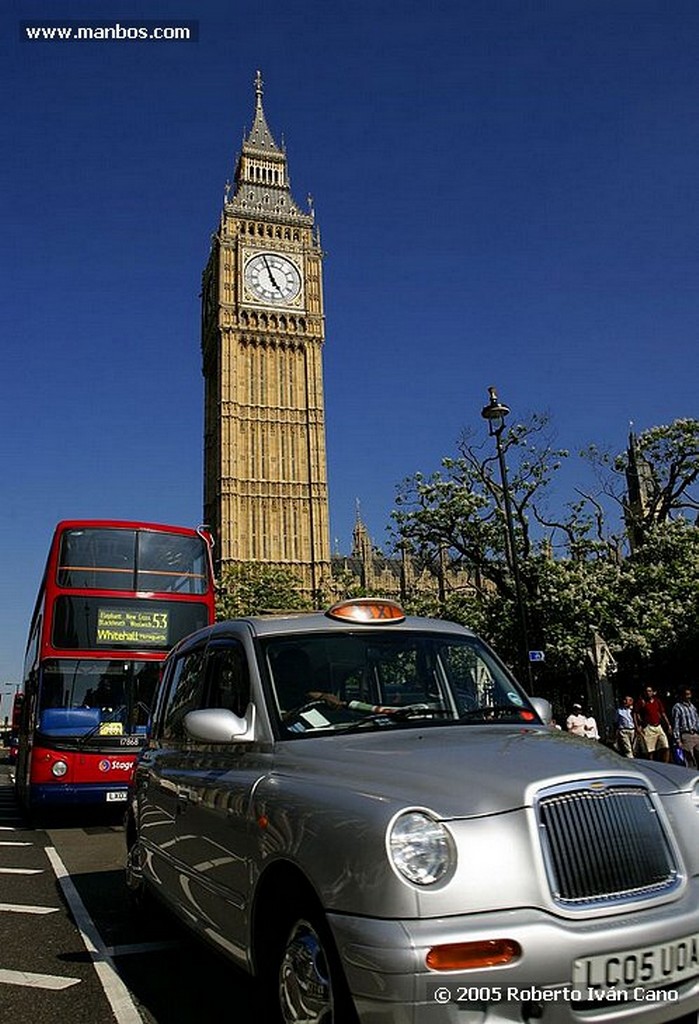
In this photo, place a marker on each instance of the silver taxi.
(367, 812)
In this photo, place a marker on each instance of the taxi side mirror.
(542, 708)
(219, 725)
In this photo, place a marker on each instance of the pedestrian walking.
(685, 727)
(590, 730)
(575, 722)
(627, 732)
(651, 718)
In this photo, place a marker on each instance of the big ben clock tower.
(265, 478)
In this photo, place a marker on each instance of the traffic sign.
(536, 656)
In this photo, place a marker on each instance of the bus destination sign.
(132, 628)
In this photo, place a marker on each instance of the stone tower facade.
(265, 477)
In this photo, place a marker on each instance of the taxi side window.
(228, 679)
(185, 692)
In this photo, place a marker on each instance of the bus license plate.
(116, 795)
(645, 967)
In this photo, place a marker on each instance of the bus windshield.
(80, 697)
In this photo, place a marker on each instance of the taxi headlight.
(59, 769)
(420, 848)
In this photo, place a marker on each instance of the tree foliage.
(252, 588)
(578, 573)
(663, 462)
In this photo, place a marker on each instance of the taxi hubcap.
(304, 985)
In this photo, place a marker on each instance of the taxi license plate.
(645, 967)
(118, 795)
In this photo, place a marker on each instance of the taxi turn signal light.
(464, 956)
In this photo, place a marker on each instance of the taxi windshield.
(369, 679)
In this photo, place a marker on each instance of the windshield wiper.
(379, 718)
(96, 730)
(490, 711)
(422, 711)
(399, 715)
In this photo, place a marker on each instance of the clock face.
(272, 278)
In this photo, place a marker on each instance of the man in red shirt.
(652, 720)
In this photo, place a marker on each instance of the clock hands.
(272, 278)
(271, 275)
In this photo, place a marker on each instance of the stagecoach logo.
(105, 766)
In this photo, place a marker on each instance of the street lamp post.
(495, 412)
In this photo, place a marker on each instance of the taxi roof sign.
(368, 610)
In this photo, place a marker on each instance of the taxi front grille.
(604, 842)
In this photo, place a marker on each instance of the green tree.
(345, 584)
(251, 588)
(663, 464)
(455, 520)
(657, 625)
(573, 573)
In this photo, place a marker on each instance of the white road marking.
(118, 995)
(21, 871)
(17, 843)
(36, 980)
(18, 908)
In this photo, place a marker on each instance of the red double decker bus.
(114, 598)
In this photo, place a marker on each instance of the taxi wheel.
(308, 979)
(139, 897)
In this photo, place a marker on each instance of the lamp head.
(495, 411)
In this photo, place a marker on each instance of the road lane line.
(117, 994)
(36, 980)
(18, 908)
(16, 843)
(21, 871)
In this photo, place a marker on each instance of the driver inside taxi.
(292, 675)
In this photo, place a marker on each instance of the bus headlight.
(420, 848)
(59, 769)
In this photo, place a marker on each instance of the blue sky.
(506, 191)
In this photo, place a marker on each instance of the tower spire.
(261, 174)
(260, 137)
